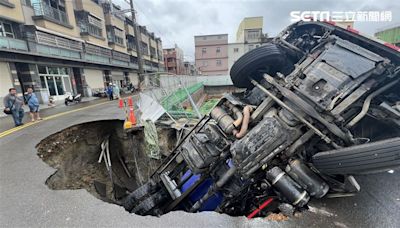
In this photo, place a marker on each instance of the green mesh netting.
(174, 100)
(172, 103)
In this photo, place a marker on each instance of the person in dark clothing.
(110, 92)
(14, 103)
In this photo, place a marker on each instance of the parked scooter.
(73, 99)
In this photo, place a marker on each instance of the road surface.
(25, 200)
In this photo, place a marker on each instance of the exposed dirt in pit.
(75, 151)
(277, 217)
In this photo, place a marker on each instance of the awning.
(58, 34)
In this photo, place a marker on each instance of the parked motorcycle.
(73, 99)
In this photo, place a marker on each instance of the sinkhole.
(75, 151)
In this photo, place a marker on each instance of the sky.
(178, 21)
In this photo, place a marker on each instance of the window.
(204, 50)
(219, 63)
(219, 37)
(95, 21)
(43, 82)
(145, 48)
(54, 9)
(6, 30)
(257, 46)
(53, 70)
(253, 34)
(42, 70)
(218, 50)
(205, 63)
(118, 36)
(152, 52)
(251, 47)
(95, 26)
(236, 50)
(131, 42)
(63, 70)
(204, 38)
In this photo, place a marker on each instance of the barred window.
(153, 52)
(95, 21)
(121, 56)
(253, 34)
(118, 32)
(96, 50)
(52, 40)
(145, 48)
(118, 36)
(94, 30)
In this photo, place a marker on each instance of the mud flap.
(367, 158)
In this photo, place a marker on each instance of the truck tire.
(265, 59)
(366, 158)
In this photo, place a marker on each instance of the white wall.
(5, 79)
(94, 78)
(232, 55)
(134, 77)
(5, 82)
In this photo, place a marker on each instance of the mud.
(74, 153)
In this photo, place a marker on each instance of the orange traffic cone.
(132, 117)
(121, 103)
(130, 102)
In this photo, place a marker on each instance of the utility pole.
(138, 37)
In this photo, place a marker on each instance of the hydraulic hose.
(237, 113)
(245, 124)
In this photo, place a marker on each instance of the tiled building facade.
(77, 46)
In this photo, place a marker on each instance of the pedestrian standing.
(13, 103)
(110, 92)
(116, 91)
(33, 104)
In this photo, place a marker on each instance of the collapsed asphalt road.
(25, 200)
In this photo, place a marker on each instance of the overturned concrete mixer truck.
(322, 103)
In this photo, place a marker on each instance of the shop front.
(56, 80)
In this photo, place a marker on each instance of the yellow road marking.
(12, 130)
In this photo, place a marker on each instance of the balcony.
(44, 11)
(90, 53)
(13, 44)
(49, 50)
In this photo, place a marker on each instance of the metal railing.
(42, 9)
(14, 44)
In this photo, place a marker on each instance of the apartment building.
(173, 60)
(76, 46)
(249, 30)
(211, 54)
(189, 68)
